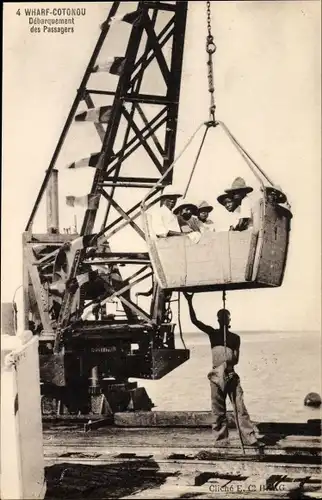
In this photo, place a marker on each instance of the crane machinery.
(88, 355)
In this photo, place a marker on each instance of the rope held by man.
(231, 381)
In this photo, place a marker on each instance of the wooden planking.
(300, 442)
(187, 462)
(169, 438)
(313, 494)
(183, 475)
(240, 466)
(256, 483)
(174, 454)
(252, 488)
(294, 437)
(227, 486)
(204, 419)
(86, 480)
(168, 419)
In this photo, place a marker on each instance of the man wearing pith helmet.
(237, 203)
(164, 222)
(204, 209)
(185, 210)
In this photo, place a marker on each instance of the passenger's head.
(275, 195)
(185, 209)
(223, 316)
(169, 201)
(227, 201)
(204, 210)
(230, 204)
(238, 197)
(169, 197)
(238, 191)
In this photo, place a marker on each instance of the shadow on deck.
(101, 481)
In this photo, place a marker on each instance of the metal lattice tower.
(134, 117)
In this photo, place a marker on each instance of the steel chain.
(210, 49)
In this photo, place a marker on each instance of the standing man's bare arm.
(199, 324)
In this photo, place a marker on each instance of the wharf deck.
(128, 459)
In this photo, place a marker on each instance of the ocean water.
(277, 370)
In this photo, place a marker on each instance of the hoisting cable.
(195, 162)
(225, 326)
(233, 391)
(172, 165)
(244, 153)
(210, 49)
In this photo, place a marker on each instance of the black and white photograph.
(161, 250)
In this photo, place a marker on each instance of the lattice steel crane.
(85, 365)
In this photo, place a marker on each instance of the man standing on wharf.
(225, 346)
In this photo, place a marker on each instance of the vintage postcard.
(161, 250)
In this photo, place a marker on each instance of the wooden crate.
(227, 259)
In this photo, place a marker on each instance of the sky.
(267, 81)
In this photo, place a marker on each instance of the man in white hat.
(164, 222)
(205, 224)
(186, 212)
(237, 203)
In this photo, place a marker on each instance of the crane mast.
(85, 364)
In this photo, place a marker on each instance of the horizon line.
(269, 330)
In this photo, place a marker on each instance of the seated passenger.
(275, 195)
(226, 218)
(189, 225)
(236, 202)
(185, 210)
(204, 222)
(164, 222)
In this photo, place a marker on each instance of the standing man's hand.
(204, 328)
(188, 296)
